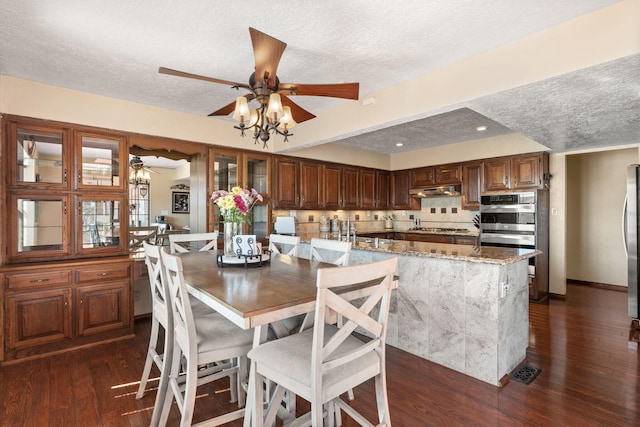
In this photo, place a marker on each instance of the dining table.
(256, 296)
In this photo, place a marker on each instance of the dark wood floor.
(589, 378)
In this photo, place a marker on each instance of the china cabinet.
(65, 271)
(65, 193)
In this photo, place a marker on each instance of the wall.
(596, 188)
(160, 196)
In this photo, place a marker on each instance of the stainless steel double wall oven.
(519, 220)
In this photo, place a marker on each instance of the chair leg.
(151, 352)
(189, 393)
(173, 388)
(163, 385)
(381, 398)
(258, 398)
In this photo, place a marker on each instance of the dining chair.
(180, 243)
(138, 235)
(162, 317)
(281, 244)
(321, 363)
(333, 251)
(203, 340)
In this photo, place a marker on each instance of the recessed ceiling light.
(481, 128)
(399, 144)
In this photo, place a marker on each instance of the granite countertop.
(484, 254)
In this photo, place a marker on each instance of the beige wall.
(596, 188)
(160, 195)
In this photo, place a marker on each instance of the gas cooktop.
(439, 229)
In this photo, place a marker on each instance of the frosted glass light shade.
(275, 107)
(242, 109)
(286, 121)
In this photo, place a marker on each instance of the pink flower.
(240, 204)
(255, 194)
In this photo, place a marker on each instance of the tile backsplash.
(444, 212)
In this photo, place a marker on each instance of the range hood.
(436, 191)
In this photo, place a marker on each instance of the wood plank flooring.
(590, 377)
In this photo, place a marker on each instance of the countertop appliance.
(631, 217)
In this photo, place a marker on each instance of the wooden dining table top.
(256, 295)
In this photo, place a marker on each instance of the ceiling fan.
(137, 163)
(276, 113)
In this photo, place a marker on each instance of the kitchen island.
(461, 306)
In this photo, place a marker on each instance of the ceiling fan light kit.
(276, 114)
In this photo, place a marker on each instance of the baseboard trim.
(616, 288)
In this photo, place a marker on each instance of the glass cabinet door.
(38, 226)
(102, 160)
(226, 174)
(99, 223)
(40, 157)
(257, 172)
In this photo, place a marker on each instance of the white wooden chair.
(322, 363)
(138, 235)
(161, 317)
(180, 243)
(203, 340)
(281, 244)
(333, 251)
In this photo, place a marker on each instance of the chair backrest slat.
(278, 243)
(180, 243)
(159, 295)
(329, 248)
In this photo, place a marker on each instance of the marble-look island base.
(452, 310)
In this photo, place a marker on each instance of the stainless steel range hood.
(436, 191)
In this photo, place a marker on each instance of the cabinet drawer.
(102, 272)
(38, 279)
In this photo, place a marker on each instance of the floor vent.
(525, 374)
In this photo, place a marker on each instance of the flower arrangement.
(236, 204)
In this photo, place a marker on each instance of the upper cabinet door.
(38, 226)
(38, 156)
(101, 161)
(257, 173)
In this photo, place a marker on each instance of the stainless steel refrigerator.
(631, 228)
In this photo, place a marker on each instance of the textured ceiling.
(115, 48)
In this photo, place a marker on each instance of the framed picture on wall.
(180, 202)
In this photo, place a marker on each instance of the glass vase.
(231, 230)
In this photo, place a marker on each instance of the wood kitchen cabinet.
(310, 185)
(383, 183)
(350, 187)
(436, 175)
(448, 174)
(299, 184)
(400, 197)
(332, 180)
(422, 177)
(52, 307)
(521, 172)
(368, 183)
(472, 175)
(287, 192)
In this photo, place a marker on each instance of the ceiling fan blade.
(151, 170)
(267, 52)
(163, 70)
(335, 90)
(228, 109)
(299, 114)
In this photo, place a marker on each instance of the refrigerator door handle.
(624, 227)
